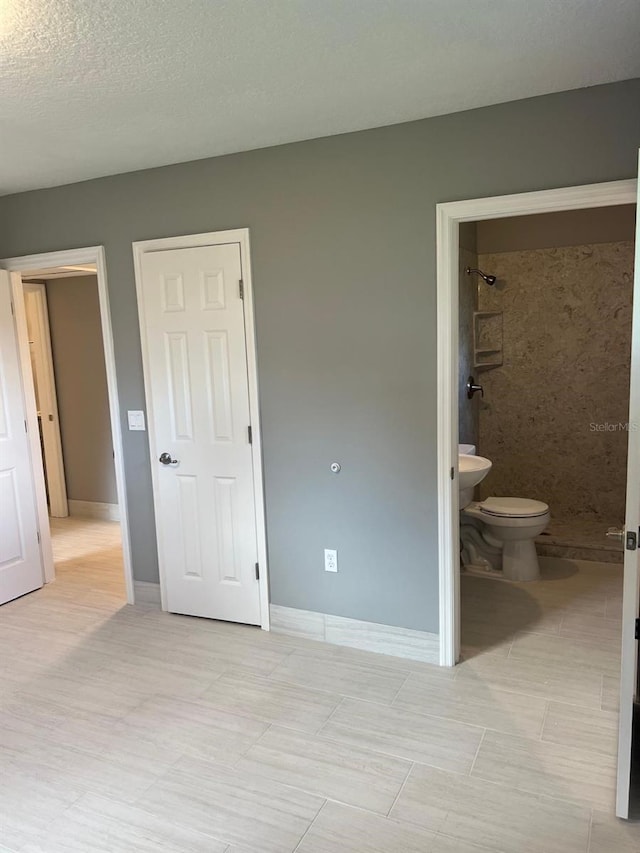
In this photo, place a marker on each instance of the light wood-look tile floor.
(128, 730)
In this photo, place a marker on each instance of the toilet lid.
(513, 507)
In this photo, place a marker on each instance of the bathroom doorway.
(545, 308)
(549, 647)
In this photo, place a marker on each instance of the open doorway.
(545, 307)
(68, 376)
(559, 651)
(62, 311)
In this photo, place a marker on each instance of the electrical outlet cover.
(330, 560)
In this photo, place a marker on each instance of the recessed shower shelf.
(487, 339)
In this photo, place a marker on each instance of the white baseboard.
(94, 509)
(370, 636)
(146, 593)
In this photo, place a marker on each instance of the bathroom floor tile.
(613, 607)
(582, 626)
(352, 774)
(100, 825)
(562, 682)
(588, 654)
(448, 844)
(554, 770)
(475, 702)
(187, 727)
(445, 743)
(585, 728)
(30, 801)
(609, 833)
(235, 806)
(348, 830)
(610, 693)
(494, 816)
(378, 684)
(288, 705)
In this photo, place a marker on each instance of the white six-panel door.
(20, 560)
(192, 320)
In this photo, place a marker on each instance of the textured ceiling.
(97, 87)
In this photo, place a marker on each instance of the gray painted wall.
(343, 247)
(81, 387)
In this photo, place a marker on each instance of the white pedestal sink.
(471, 471)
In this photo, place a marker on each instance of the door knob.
(166, 459)
(472, 388)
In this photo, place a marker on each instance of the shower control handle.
(472, 388)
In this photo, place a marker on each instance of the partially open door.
(20, 556)
(629, 665)
(37, 315)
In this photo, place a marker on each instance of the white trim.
(48, 399)
(369, 636)
(147, 593)
(191, 241)
(90, 255)
(449, 216)
(94, 509)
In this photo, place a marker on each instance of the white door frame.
(449, 216)
(48, 399)
(73, 257)
(192, 241)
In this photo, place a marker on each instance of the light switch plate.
(136, 420)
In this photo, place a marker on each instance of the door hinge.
(38, 535)
(637, 629)
(257, 571)
(453, 473)
(631, 540)
(25, 427)
(241, 288)
(12, 308)
(250, 434)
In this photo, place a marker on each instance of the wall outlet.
(330, 560)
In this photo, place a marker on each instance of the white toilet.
(498, 537)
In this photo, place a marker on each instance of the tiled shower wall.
(468, 289)
(551, 416)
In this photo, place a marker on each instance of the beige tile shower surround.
(128, 730)
(567, 337)
(468, 289)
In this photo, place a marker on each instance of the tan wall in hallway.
(81, 382)
(567, 333)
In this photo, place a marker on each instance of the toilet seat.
(513, 508)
